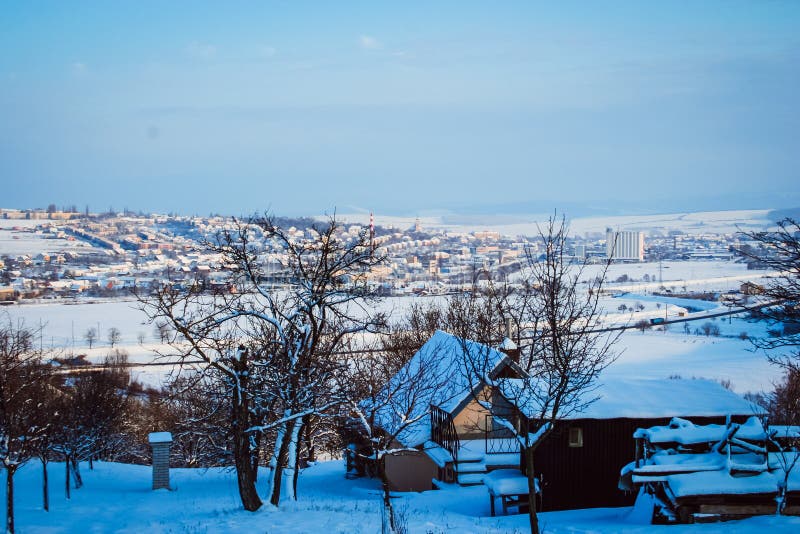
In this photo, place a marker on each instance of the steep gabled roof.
(444, 372)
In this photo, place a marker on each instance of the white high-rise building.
(624, 245)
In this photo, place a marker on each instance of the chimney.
(160, 442)
(508, 347)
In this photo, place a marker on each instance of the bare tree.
(114, 336)
(22, 377)
(46, 420)
(274, 350)
(195, 410)
(162, 331)
(564, 351)
(784, 421)
(391, 389)
(90, 336)
(779, 250)
(91, 411)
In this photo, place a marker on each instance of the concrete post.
(160, 442)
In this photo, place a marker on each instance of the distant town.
(109, 254)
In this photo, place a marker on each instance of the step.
(470, 467)
(470, 479)
(470, 456)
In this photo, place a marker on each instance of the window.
(576, 437)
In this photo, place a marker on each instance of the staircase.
(470, 471)
(473, 462)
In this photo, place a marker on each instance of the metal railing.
(499, 439)
(443, 431)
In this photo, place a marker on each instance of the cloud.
(201, 50)
(78, 68)
(267, 51)
(369, 43)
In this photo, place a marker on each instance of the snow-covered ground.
(652, 354)
(656, 354)
(17, 243)
(728, 222)
(118, 498)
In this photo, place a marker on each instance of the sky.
(400, 107)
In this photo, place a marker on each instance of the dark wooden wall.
(587, 477)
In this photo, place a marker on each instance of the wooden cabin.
(465, 433)
(578, 464)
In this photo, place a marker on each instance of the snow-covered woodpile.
(713, 472)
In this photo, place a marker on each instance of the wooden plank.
(737, 509)
(792, 509)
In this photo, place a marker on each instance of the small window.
(576, 437)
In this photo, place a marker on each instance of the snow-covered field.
(652, 354)
(726, 222)
(118, 498)
(17, 243)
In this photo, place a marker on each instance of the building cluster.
(109, 254)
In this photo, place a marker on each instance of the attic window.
(576, 437)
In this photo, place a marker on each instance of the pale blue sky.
(301, 107)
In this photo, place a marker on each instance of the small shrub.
(709, 329)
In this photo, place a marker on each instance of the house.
(446, 441)
(461, 431)
(578, 464)
(7, 294)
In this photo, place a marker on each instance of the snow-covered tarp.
(507, 482)
(721, 483)
(684, 432)
(784, 431)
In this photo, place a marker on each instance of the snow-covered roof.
(443, 372)
(508, 344)
(439, 455)
(647, 399)
(159, 437)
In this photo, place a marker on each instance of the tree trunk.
(312, 456)
(534, 519)
(258, 438)
(283, 455)
(294, 456)
(45, 489)
(76, 473)
(273, 461)
(66, 477)
(10, 469)
(245, 473)
(783, 490)
(387, 500)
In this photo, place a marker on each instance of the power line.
(355, 352)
